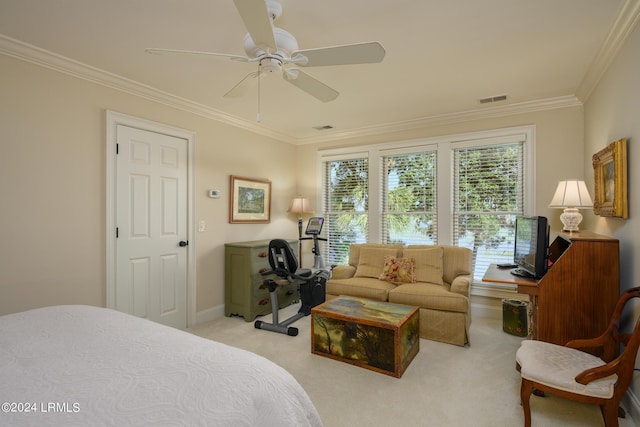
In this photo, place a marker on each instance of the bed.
(80, 365)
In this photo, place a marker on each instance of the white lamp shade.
(300, 205)
(571, 194)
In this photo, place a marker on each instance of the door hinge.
(117, 232)
(117, 149)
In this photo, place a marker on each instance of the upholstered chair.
(591, 377)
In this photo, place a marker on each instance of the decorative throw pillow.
(428, 264)
(398, 270)
(371, 260)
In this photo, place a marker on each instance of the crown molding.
(53, 61)
(44, 58)
(623, 26)
(448, 119)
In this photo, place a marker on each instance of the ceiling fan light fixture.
(270, 65)
(285, 41)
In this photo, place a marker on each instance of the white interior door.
(151, 220)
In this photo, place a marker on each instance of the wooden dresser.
(576, 298)
(244, 293)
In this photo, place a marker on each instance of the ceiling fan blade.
(359, 53)
(310, 85)
(255, 15)
(245, 84)
(159, 51)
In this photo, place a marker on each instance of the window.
(346, 205)
(463, 190)
(488, 193)
(409, 198)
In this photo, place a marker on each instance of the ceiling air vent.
(325, 127)
(493, 99)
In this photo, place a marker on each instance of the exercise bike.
(312, 282)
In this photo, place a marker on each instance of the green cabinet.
(245, 294)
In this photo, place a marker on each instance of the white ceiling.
(442, 56)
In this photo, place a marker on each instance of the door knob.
(183, 243)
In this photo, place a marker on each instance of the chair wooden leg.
(621, 412)
(526, 388)
(610, 414)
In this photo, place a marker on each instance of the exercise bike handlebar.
(314, 238)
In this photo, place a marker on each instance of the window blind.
(488, 194)
(345, 206)
(409, 198)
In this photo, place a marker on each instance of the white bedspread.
(88, 366)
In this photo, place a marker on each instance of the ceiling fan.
(274, 49)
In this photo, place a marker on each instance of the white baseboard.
(632, 406)
(486, 311)
(210, 314)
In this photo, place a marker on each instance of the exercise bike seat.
(299, 274)
(302, 273)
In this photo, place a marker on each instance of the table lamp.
(571, 195)
(300, 205)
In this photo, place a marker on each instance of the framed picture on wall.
(610, 175)
(250, 200)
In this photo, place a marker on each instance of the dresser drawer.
(245, 294)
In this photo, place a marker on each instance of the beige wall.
(52, 184)
(613, 112)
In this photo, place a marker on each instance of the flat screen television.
(531, 246)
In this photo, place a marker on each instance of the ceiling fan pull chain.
(258, 118)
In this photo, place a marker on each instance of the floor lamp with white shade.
(300, 205)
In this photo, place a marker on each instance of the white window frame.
(445, 146)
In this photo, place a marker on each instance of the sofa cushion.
(354, 250)
(428, 295)
(455, 260)
(428, 264)
(363, 287)
(398, 270)
(371, 261)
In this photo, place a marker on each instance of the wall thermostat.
(214, 194)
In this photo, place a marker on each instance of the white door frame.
(113, 119)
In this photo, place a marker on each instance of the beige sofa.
(442, 277)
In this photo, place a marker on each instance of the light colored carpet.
(445, 385)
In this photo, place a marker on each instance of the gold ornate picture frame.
(610, 175)
(250, 200)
